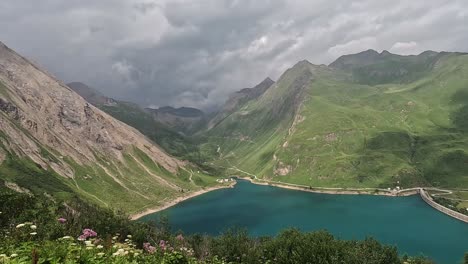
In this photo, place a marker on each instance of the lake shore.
(350, 191)
(177, 200)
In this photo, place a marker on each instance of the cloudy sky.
(196, 52)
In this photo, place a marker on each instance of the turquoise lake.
(407, 222)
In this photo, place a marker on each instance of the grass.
(369, 133)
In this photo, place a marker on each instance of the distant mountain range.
(376, 120)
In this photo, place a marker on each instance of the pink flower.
(180, 237)
(162, 245)
(150, 249)
(87, 233)
(62, 220)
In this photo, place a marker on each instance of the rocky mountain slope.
(367, 120)
(52, 140)
(165, 129)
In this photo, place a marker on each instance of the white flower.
(14, 255)
(67, 237)
(33, 227)
(87, 242)
(129, 236)
(100, 254)
(99, 246)
(33, 233)
(2, 256)
(136, 254)
(20, 225)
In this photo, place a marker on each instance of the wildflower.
(148, 248)
(114, 238)
(67, 237)
(3, 256)
(13, 255)
(180, 237)
(33, 227)
(89, 232)
(62, 220)
(100, 254)
(33, 233)
(20, 225)
(162, 244)
(99, 246)
(88, 243)
(136, 254)
(120, 252)
(129, 236)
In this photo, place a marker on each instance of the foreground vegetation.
(41, 230)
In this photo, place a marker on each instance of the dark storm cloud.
(195, 53)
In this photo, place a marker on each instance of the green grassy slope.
(131, 186)
(353, 130)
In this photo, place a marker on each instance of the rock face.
(59, 118)
(184, 120)
(44, 120)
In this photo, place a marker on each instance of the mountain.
(186, 120)
(53, 141)
(165, 129)
(91, 95)
(240, 98)
(367, 120)
(371, 67)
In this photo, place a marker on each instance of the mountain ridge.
(328, 126)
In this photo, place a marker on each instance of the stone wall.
(428, 199)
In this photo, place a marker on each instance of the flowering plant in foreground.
(87, 233)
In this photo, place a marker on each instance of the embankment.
(428, 199)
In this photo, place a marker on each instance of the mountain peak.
(385, 52)
(303, 63)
